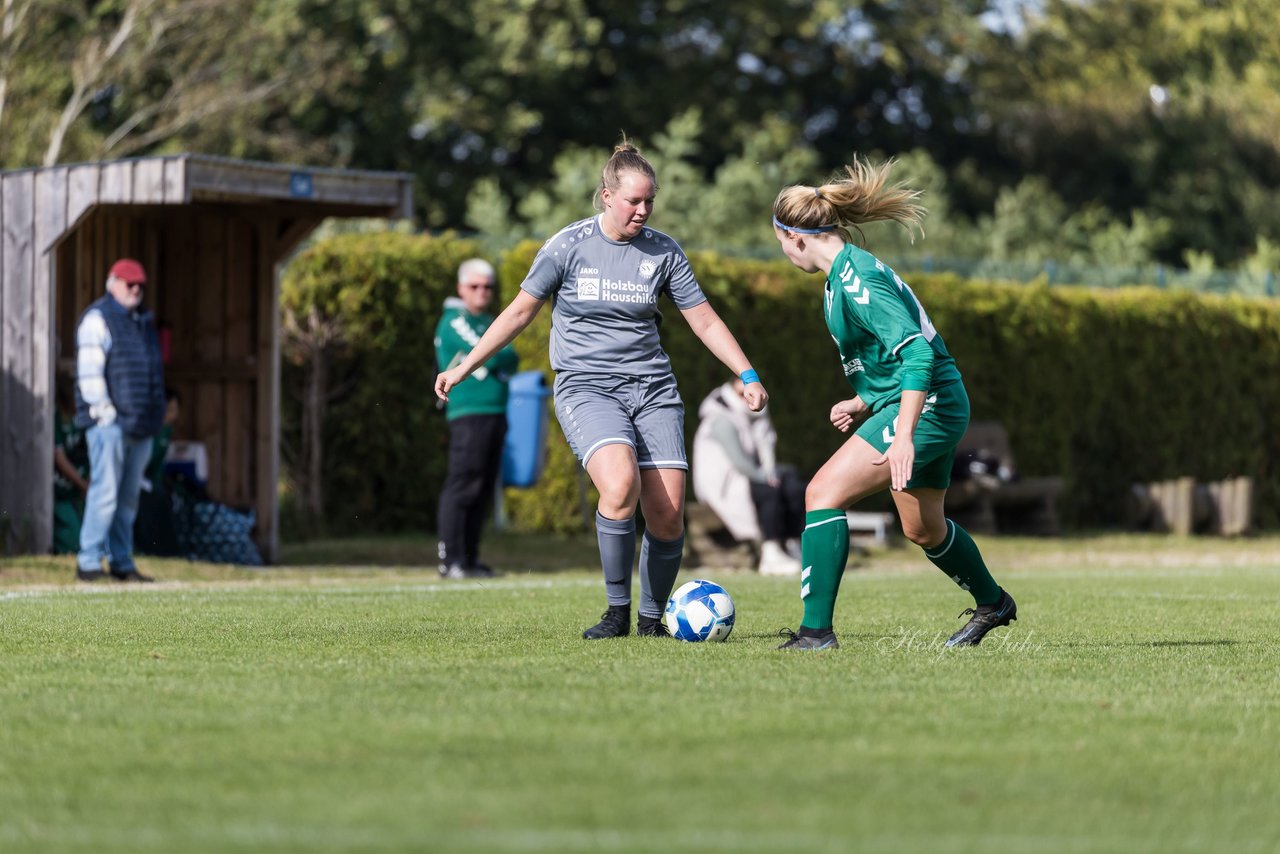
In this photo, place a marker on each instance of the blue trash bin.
(525, 450)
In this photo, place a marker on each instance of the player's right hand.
(847, 413)
(446, 380)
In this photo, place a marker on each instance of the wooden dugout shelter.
(211, 233)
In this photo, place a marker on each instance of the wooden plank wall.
(268, 423)
(17, 439)
(210, 300)
(50, 224)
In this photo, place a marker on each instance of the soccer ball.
(699, 611)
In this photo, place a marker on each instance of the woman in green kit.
(908, 411)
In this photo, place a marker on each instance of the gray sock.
(659, 566)
(617, 539)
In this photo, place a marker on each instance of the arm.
(917, 374)
(93, 342)
(64, 465)
(849, 413)
(901, 454)
(717, 338)
(504, 364)
(447, 343)
(513, 320)
(723, 432)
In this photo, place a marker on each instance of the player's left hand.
(901, 458)
(755, 396)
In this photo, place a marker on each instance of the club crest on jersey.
(647, 268)
(589, 286)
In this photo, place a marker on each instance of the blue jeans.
(116, 464)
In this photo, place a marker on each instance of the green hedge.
(1105, 388)
(384, 437)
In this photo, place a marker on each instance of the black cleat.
(614, 623)
(90, 575)
(985, 618)
(131, 576)
(809, 639)
(651, 627)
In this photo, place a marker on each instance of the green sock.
(824, 548)
(958, 556)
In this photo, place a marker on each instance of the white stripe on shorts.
(612, 440)
(664, 464)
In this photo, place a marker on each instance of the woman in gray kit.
(615, 394)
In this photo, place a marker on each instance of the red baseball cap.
(129, 270)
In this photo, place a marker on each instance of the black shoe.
(809, 639)
(651, 627)
(984, 619)
(614, 623)
(457, 570)
(89, 575)
(131, 576)
(483, 570)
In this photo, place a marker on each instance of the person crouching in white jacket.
(736, 474)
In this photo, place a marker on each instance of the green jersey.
(886, 341)
(485, 391)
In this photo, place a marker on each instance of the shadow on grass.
(1150, 643)
(509, 553)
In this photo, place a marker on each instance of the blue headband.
(820, 230)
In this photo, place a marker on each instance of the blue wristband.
(749, 376)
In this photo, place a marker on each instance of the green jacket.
(485, 391)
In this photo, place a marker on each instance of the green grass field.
(353, 702)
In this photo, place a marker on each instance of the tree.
(499, 90)
(1165, 106)
(119, 77)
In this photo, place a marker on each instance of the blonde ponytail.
(862, 195)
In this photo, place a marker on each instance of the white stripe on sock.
(951, 542)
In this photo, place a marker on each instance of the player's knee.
(923, 534)
(617, 496)
(665, 526)
(819, 496)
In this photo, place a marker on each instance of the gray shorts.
(606, 409)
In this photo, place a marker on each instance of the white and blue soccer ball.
(699, 611)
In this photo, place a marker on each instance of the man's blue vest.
(134, 372)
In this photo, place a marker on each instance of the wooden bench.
(708, 543)
(987, 504)
(1182, 506)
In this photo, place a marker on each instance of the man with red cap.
(120, 400)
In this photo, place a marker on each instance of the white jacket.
(717, 481)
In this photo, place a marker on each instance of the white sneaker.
(774, 560)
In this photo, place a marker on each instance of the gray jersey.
(604, 311)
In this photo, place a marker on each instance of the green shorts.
(942, 423)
